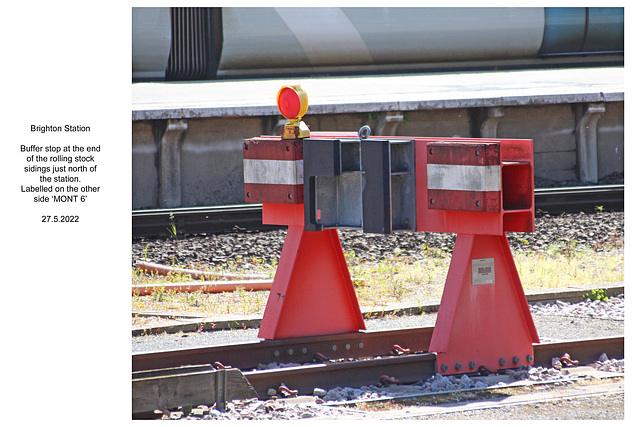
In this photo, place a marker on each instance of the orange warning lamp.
(293, 103)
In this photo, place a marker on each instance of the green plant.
(596, 294)
(398, 289)
(172, 226)
(159, 294)
(372, 117)
(192, 298)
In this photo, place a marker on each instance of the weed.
(193, 298)
(398, 289)
(159, 294)
(173, 231)
(398, 278)
(597, 294)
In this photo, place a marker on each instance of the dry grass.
(560, 268)
(397, 279)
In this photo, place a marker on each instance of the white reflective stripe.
(323, 45)
(286, 172)
(463, 177)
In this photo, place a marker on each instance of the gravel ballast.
(599, 230)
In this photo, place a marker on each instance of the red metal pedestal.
(484, 318)
(312, 292)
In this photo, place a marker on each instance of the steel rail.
(293, 350)
(406, 369)
(207, 219)
(221, 219)
(411, 368)
(577, 199)
(364, 358)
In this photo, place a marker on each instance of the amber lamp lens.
(289, 103)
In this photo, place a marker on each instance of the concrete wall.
(212, 160)
(552, 129)
(144, 189)
(611, 140)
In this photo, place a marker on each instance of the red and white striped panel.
(273, 171)
(464, 176)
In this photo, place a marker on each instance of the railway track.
(347, 360)
(221, 219)
(353, 359)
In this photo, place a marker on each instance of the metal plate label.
(482, 271)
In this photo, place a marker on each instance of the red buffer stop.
(477, 188)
